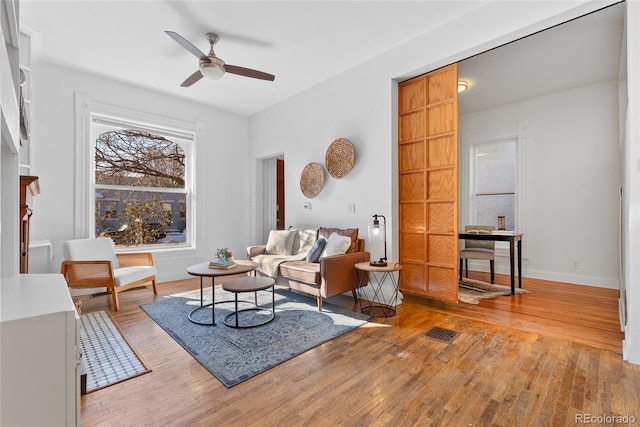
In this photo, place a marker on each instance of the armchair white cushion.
(93, 263)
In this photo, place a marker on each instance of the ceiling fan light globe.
(213, 69)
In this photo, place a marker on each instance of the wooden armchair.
(93, 263)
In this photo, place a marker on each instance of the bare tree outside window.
(140, 188)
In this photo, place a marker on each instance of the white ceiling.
(302, 42)
(577, 53)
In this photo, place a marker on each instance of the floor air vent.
(441, 334)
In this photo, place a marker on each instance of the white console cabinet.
(39, 352)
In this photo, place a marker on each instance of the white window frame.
(84, 210)
(469, 142)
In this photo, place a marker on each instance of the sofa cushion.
(281, 242)
(316, 250)
(301, 271)
(352, 233)
(336, 245)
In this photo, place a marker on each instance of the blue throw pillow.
(316, 250)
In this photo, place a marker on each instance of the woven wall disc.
(340, 158)
(312, 179)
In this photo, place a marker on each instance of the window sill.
(164, 253)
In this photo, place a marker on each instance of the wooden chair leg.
(114, 298)
(155, 287)
(355, 295)
(319, 303)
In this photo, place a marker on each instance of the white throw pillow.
(336, 245)
(281, 242)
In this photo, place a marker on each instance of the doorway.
(271, 195)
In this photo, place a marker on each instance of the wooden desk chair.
(478, 249)
(93, 263)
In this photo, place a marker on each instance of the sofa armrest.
(338, 272)
(134, 259)
(255, 250)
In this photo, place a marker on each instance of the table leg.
(202, 304)
(213, 300)
(236, 302)
(520, 263)
(378, 305)
(511, 265)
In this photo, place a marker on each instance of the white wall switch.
(306, 206)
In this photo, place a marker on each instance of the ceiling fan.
(210, 65)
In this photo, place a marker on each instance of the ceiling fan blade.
(248, 72)
(186, 44)
(192, 79)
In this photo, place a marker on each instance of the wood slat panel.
(441, 249)
(441, 217)
(412, 156)
(412, 95)
(412, 126)
(441, 152)
(412, 217)
(441, 184)
(439, 283)
(441, 119)
(443, 85)
(412, 186)
(413, 278)
(414, 246)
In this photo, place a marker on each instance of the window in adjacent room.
(139, 176)
(495, 183)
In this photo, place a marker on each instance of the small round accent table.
(249, 284)
(203, 270)
(378, 305)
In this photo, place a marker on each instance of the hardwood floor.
(540, 359)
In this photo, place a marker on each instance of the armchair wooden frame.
(100, 273)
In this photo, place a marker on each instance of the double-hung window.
(495, 184)
(141, 184)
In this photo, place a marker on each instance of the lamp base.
(380, 263)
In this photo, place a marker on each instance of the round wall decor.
(312, 179)
(340, 158)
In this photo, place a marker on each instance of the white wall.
(572, 182)
(222, 165)
(305, 127)
(631, 207)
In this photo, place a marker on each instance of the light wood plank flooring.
(539, 359)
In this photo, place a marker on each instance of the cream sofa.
(331, 275)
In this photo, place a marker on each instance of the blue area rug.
(234, 355)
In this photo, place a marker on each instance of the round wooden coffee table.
(249, 284)
(203, 270)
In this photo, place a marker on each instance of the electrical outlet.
(576, 264)
(351, 208)
(306, 206)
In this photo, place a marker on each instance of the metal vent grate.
(440, 334)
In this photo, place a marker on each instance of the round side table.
(250, 284)
(378, 305)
